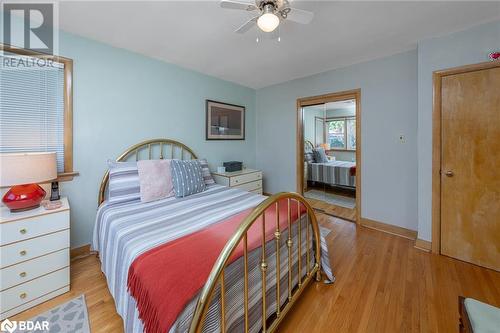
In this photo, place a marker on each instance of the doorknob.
(449, 173)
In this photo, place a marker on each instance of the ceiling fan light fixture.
(268, 21)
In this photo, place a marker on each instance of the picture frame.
(224, 121)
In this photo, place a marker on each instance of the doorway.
(329, 153)
(466, 155)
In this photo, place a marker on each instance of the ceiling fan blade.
(247, 25)
(230, 4)
(300, 16)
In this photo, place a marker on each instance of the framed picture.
(225, 121)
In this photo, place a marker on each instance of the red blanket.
(352, 171)
(163, 280)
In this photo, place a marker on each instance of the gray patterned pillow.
(320, 155)
(207, 176)
(187, 177)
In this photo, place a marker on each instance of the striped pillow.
(124, 182)
(187, 177)
(207, 176)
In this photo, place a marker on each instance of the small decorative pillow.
(320, 155)
(309, 157)
(207, 176)
(123, 181)
(155, 178)
(187, 177)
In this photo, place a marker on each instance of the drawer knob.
(22, 274)
(23, 231)
(236, 181)
(23, 295)
(23, 252)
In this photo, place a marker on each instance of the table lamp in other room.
(24, 171)
(325, 146)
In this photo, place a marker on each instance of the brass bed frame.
(313, 269)
(308, 145)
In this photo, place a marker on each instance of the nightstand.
(246, 179)
(34, 257)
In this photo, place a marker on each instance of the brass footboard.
(217, 274)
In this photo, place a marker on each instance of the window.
(342, 133)
(351, 133)
(336, 134)
(36, 105)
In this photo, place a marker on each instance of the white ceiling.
(199, 35)
(340, 105)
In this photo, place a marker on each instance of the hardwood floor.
(338, 211)
(86, 278)
(383, 284)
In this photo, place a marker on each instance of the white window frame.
(346, 135)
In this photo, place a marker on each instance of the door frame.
(322, 99)
(437, 77)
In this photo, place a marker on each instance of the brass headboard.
(172, 146)
(308, 144)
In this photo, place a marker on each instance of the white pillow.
(155, 178)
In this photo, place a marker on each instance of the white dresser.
(246, 179)
(34, 257)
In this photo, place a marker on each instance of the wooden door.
(470, 167)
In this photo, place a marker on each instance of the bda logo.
(8, 326)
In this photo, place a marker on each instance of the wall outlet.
(402, 138)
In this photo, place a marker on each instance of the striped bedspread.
(335, 173)
(123, 231)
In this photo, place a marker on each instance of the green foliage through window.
(342, 133)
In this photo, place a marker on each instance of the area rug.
(334, 199)
(70, 317)
(324, 231)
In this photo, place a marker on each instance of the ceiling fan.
(269, 13)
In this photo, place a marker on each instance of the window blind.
(31, 107)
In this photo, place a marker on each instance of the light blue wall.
(461, 48)
(121, 98)
(389, 108)
(310, 115)
(341, 112)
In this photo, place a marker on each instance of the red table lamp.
(23, 171)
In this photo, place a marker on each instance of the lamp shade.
(325, 146)
(27, 168)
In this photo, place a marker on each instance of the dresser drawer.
(33, 227)
(251, 186)
(245, 178)
(34, 289)
(32, 248)
(31, 269)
